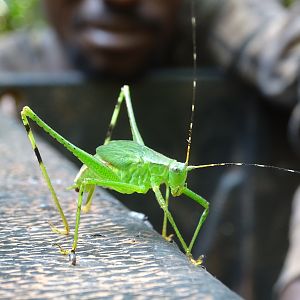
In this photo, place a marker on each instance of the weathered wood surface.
(119, 255)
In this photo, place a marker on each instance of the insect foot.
(59, 231)
(169, 238)
(61, 249)
(72, 258)
(71, 254)
(196, 262)
(86, 208)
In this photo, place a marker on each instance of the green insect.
(126, 166)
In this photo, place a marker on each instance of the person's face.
(118, 37)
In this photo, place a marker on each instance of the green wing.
(121, 154)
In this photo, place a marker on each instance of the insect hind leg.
(45, 175)
(124, 94)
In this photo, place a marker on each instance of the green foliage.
(287, 3)
(19, 14)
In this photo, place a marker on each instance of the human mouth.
(115, 40)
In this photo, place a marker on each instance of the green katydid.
(126, 166)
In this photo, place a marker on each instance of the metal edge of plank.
(119, 254)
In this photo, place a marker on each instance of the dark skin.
(117, 37)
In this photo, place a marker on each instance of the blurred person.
(112, 36)
(126, 37)
(107, 37)
(258, 40)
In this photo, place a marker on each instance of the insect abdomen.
(144, 175)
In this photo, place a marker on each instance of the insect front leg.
(164, 207)
(165, 221)
(203, 217)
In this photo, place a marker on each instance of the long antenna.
(189, 168)
(194, 40)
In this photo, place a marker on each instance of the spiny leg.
(124, 94)
(46, 177)
(203, 216)
(162, 204)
